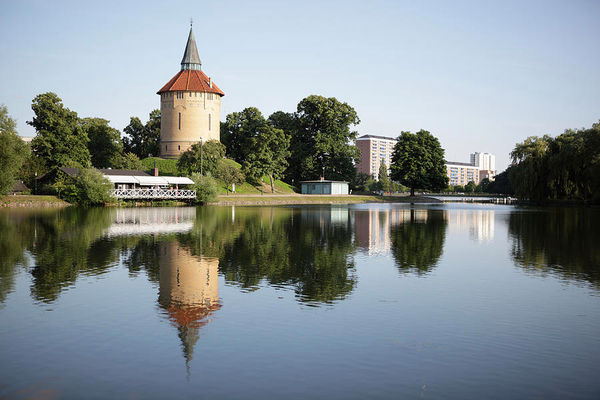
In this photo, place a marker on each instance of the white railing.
(153, 194)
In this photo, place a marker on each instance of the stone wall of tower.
(186, 119)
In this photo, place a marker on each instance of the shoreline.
(299, 199)
(32, 201)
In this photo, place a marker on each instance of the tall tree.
(60, 140)
(105, 144)
(384, 179)
(13, 151)
(238, 130)
(321, 140)
(418, 162)
(143, 140)
(202, 157)
(229, 174)
(267, 155)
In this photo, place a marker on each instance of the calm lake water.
(373, 301)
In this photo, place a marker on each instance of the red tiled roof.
(192, 81)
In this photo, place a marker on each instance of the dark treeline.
(566, 167)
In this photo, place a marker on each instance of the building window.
(179, 121)
(165, 147)
(190, 94)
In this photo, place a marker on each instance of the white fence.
(168, 194)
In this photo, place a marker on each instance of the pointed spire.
(190, 59)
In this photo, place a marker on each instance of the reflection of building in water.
(479, 223)
(326, 215)
(373, 226)
(189, 291)
(151, 220)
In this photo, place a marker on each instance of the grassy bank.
(31, 201)
(316, 199)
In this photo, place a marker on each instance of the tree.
(202, 157)
(92, 188)
(361, 182)
(61, 140)
(320, 139)
(143, 140)
(267, 155)
(483, 186)
(239, 129)
(205, 187)
(229, 174)
(470, 187)
(418, 162)
(105, 144)
(384, 179)
(127, 161)
(13, 151)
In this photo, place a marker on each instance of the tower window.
(179, 147)
(179, 121)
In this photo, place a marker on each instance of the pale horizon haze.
(479, 75)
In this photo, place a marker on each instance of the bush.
(206, 188)
(92, 188)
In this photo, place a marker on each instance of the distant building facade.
(190, 106)
(461, 173)
(484, 161)
(373, 151)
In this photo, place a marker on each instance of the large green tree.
(321, 138)
(143, 140)
(229, 173)
(384, 179)
(267, 155)
(61, 140)
(202, 157)
(13, 151)
(239, 129)
(105, 144)
(418, 162)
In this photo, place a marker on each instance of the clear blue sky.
(479, 75)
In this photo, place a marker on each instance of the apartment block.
(484, 161)
(373, 151)
(461, 173)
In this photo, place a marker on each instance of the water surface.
(363, 301)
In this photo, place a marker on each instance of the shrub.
(92, 188)
(206, 188)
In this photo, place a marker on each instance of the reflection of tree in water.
(418, 243)
(284, 246)
(565, 241)
(63, 244)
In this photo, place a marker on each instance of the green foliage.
(384, 179)
(127, 161)
(165, 166)
(459, 188)
(501, 184)
(320, 133)
(267, 155)
(361, 182)
(61, 140)
(143, 140)
(565, 167)
(470, 187)
(238, 130)
(92, 188)
(13, 152)
(229, 174)
(206, 188)
(202, 157)
(483, 186)
(104, 144)
(418, 162)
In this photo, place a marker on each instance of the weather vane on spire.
(191, 22)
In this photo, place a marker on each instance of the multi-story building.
(373, 151)
(461, 173)
(484, 161)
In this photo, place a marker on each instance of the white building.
(485, 161)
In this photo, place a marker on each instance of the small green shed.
(324, 187)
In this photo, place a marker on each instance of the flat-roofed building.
(460, 173)
(373, 151)
(486, 161)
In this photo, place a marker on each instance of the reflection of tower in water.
(189, 291)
